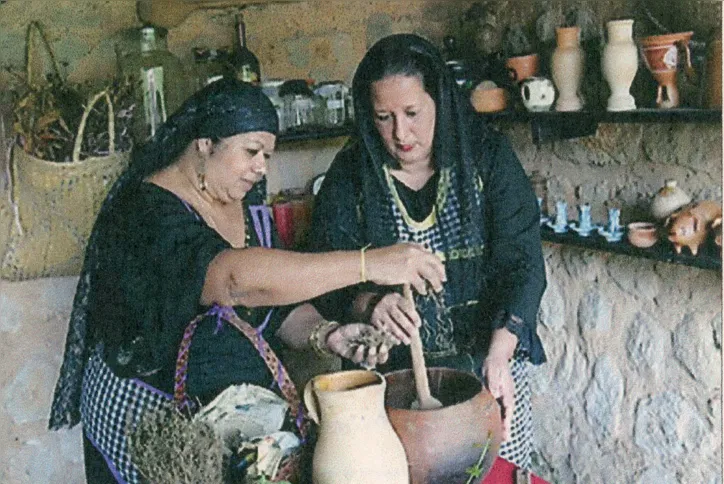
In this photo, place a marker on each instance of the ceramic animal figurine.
(716, 226)
(689, 226)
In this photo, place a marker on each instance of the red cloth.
(503, 472)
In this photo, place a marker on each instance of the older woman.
(424, 169)
(185, 232)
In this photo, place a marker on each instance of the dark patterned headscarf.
(224, 108)
(340, 223)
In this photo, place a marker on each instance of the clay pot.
(442, 444)
(522, 67)
(661, 56)
(619, 64)
(489, 100)
(642, 234)
(356, 442)
(668, 199)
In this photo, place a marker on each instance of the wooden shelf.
(315, 134)
(708, 257)
(552, 125)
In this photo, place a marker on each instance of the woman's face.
(236, 163)
(404, 115)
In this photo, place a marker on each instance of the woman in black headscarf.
(423, 168)
(184, 232)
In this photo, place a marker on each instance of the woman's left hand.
(496, 372)
(497, 375)
(361, 343)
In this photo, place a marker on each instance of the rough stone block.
(695, 348)
(667, 426)
(647, 345)
(594, 312)
(603, 398)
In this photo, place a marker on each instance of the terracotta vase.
(522, 67)
(567, 65)
(444, 445)
(713, 72)
(661, 55)
(356, 442)
(619, 64)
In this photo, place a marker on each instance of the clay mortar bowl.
(642, 234)
(442, 444)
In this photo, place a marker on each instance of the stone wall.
(632, 388)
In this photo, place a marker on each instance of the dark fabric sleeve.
(517, 273)
(336, 226)
(153, 282)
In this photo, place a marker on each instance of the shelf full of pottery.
(678, 229)
(659, 63)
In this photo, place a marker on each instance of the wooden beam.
(170, 13)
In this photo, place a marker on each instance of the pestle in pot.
(424, 401)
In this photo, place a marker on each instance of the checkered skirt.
(110, 404)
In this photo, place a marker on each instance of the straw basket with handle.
(55, 205)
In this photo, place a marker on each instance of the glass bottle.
(161, 83)
(246, 64)
(211, 65)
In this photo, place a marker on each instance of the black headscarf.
(455, 130)
(485, 207)
(221, 109)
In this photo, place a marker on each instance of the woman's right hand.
(405, 263)
(395, 315)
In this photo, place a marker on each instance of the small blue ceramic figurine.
(543, 218)
(561, 223)
(584, 226)
(613, 231)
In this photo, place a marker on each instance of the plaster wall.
(631, 392)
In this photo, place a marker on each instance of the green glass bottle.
(246, 64)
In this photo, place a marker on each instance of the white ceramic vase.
(567, 68)
(619, 64)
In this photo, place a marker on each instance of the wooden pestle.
(424, 401)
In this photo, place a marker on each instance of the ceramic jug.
(567, 68)
(619, 64)
(356, 442)
(537, 93)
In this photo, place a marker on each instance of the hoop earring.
(202, 181)
(201, 173)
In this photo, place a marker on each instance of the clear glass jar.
(270, 87)
(300, 105)
(333, 95)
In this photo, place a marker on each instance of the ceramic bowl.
(642, 234)
(489, 100)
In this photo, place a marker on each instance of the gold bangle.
(362, 271)
(318, 337)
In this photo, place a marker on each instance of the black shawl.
(221, 109)
(497, 209)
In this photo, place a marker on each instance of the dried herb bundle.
(167, 447)
(47, 109)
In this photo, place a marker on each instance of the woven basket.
(55, 205)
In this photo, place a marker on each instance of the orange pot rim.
(665, 39)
